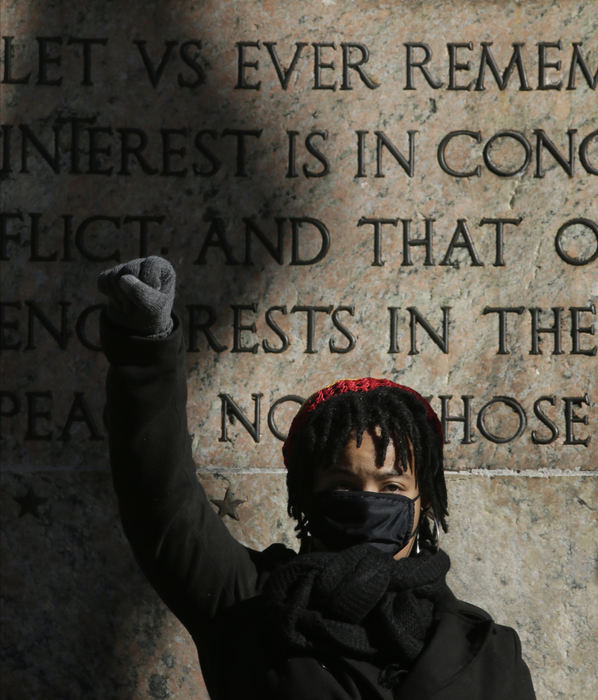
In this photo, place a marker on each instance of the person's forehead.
(371, 441)
(370, 468)
(366, 454)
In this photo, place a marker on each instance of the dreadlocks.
(398, 414)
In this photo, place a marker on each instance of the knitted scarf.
(359, 603)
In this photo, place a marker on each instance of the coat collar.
(459, 635)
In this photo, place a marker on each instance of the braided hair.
(325, 424)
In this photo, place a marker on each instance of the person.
(363, 610)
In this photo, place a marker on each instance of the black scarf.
(359, 603)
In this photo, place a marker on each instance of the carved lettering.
(33, 416)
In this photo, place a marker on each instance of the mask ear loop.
(417, 547)
(435, 534)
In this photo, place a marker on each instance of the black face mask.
(340, 519)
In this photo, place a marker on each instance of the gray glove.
(140, 295)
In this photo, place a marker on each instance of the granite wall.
(395, 189)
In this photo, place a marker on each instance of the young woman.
(363, 611)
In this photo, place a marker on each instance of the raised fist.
(140, 295)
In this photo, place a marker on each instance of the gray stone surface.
(78, 619)
(525, 550)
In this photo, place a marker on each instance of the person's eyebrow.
(381, 473)
(340, 470)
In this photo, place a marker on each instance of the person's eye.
(392, 487)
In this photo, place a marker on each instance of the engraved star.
(30, 503)
(228, 505)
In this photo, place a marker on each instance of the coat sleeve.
(180, 542)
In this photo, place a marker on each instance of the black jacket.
(212, 583)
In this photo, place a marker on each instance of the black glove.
(140, 295)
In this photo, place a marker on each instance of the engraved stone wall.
(404, 190)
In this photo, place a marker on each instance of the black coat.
(212, 583)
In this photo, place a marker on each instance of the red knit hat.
(341, 387)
